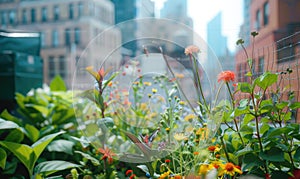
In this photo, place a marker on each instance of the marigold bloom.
(107, 154)
(226, 76)
(146, 83)
(154, 90)
(191, 49)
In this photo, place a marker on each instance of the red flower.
(128, 172)
(296, 174)
(167, 161)
(226, 76)
(268, 176)
(132, 176)
(107, 154)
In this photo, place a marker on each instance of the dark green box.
(19, 72)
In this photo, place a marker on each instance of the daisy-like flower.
(226, 76)
(107, 154)
(231, 169)
(204, 168)
(191, 49)
(180, 136)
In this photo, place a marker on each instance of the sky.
(202, 11)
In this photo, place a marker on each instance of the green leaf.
(94, 161)
(295, 105)
(2, 158)
(15, 135)
(58, 84)
(44, 111)
(244, 151)
(266, 80)
(297, 154)
(32, 133)
(61, 146)
(247, 119)
(51, 167)
(26, 154)
(6, 115)
(251, 160)
(273, 155)
(245, 87)
(23, 152)
(279, 131)
(264, 128)
(4, 124)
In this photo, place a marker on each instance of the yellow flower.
(179, 75)
(180, 136)
(191, 49)
(146, 83)
(164, 175)
(110, 83)
(154, 90)
(204, 168)
(143, 106)
(189, 117)
(230, 169)
(181, 102)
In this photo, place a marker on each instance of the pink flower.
(226, 76)
(191, 49)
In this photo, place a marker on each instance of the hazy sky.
(202, 11)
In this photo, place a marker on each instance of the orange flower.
(128, 172)
(212, 148)
(226, 76)
(191, 49)
(107, 154)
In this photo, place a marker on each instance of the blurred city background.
(63, 30)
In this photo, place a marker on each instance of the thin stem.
(178, 85)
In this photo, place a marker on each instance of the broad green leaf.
(15, 135)
(4, 124)
(7, 116)
(61, 146)
(2, 158)
(51, 167)
(297, 154)
(245, 87)
(266, 80)
(44, 111)
(279, 131)
(32, 133)
(264, 128)
(94, 161)
(247, 119)
(244, 151)
(251, 160)
(282, 104)
(40, 145)
(63, 115)
(23, 152)
(295, 105)
(58, 84)
(273, 155)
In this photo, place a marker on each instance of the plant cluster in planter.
(109, 132)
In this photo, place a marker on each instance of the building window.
(44, 14)
(62, 66)
(56, 13)
(51, 62)
(285, 51)
(67, 37)
(24, 16)
(12, 17)
(71, 11)
(266, 13)
(43, 39)
(3, 18)
(257, 23)
(32, 15)
(77, 36)
(80, 9)
(54, 38)
(261, 65)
